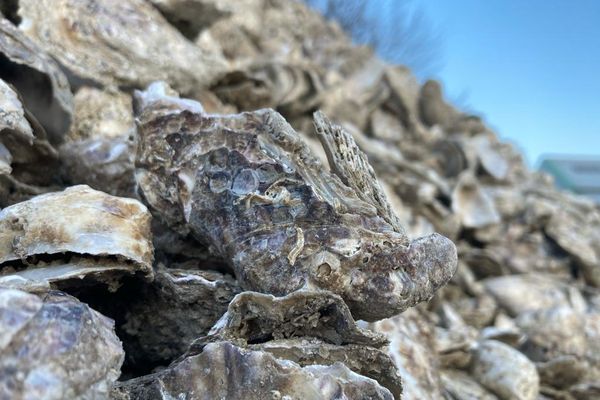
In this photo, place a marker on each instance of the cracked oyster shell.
(37, 78)
(81, 231)
(223, 370)
(117, 42)
(248, 186)
(54, 347)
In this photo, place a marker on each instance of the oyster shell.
(99, 147)
(224, 370)
(505, 371)
(37, 77)
(77, 232)
(117, 42)
(54, 347)
(249, 187)
(307, 327)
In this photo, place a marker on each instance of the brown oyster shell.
(81, 231)
(54, 347)
(117, 42)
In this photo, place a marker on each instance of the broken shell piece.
(491, 160)
(249, 187)
(70, 228)
(505, 371)
(38, 79)
(411, 344)
(256, 317)
(472, 204)
(364, 360)
(12, 114)
(117, 42)
(180, 306)
(99, 149)
(224, 370)
(54, 347)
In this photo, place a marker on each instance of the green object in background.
(579, 175)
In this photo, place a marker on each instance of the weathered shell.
(249, 187)
(55, 237)
(54, 347)
(411, 344)
(224, 370)
(530, 292)
(306, 327)
(37, 78)
(505, 371)
(256, 317)
(99, 149)
(364, 360)
(472, 204)
(117, 42)
(180, 306)
(553, 332)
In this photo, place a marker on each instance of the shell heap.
(207, 199)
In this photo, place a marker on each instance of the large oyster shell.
(224, 370)
(117, 42)
(248, 186)
(54, 347)
(73, 233)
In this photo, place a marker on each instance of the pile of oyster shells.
(218, 199)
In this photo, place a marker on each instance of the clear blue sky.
(530, 67)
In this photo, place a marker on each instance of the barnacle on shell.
(249, 187)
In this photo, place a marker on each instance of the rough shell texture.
(117, 42)
(78, 222)
(54, 347)
(307, 327)
(38, 78)
(224, 370)
(255, 317)
(411, 343)
(248, 186)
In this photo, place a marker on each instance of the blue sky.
(530, 67)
